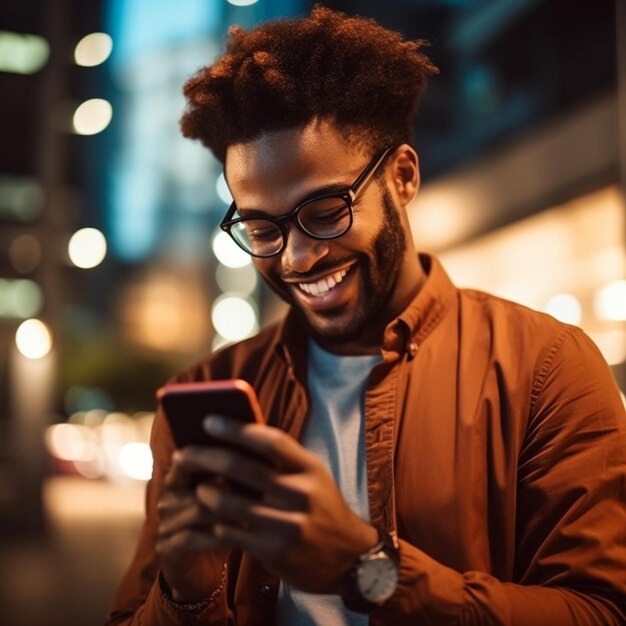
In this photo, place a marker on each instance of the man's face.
(345, 288)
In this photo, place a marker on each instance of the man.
(432, 455)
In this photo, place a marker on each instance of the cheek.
(360, 238)
(367, 223)
(266, 267)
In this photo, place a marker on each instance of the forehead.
(290, 163)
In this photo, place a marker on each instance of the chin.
(338, 331)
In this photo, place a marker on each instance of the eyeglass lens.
(324, 218)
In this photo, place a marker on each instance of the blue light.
(157, 44)
(142, 26)
(134, 214)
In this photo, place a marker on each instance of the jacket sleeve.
(139, 600)
(570, 560)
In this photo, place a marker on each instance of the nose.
(301, 252)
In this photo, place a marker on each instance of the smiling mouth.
(323, 285)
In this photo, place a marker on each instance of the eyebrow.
(338, 188)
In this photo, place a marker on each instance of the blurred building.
(108, 245)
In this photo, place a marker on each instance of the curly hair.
(285, 73)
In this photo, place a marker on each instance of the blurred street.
(66, 576)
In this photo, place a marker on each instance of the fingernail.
(215, 424)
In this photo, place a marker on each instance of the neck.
(358, 347)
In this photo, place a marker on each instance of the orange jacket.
(496, 451)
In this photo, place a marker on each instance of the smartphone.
(187, 404)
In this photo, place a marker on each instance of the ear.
(405, 173)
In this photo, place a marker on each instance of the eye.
(261, 230)
(324, 211)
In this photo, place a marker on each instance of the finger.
(228, 464)
(187, 541)
(273, 444)
(265, 547)
(192, 516)
(173, 501)
(178, 475)
(233, 509)
(234, 468)
(234, 538)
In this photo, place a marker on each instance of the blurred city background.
(112, 276)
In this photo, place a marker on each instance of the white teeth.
(324, 285)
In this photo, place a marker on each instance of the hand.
(299, 526)
(184, 542)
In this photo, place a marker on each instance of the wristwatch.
(374, 577)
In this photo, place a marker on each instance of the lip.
(330, 299)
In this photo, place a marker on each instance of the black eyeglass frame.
(349, 196)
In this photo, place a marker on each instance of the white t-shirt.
(335, 432)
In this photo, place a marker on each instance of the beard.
(380, 269)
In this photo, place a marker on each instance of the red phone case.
(187, 404)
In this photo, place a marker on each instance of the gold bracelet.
(191, 607)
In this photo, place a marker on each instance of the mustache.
(321, 267)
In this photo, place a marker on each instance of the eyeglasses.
(326, 216)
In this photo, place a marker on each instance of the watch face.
(377, 578)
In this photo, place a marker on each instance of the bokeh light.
(87, 248)
(70, 442)
(93, 49)
(20, 298)
(234, 317)
(228, 252)
(565, 307)
(97, 444)
(612, 344)
(135, 460)
(239, 280)
(610, 302)
(21, 198)
(242, 3)
(78, 398)
(33, 339)
(22, 53)
(25, 253)
(92, 116)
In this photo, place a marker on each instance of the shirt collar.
(431, 303)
